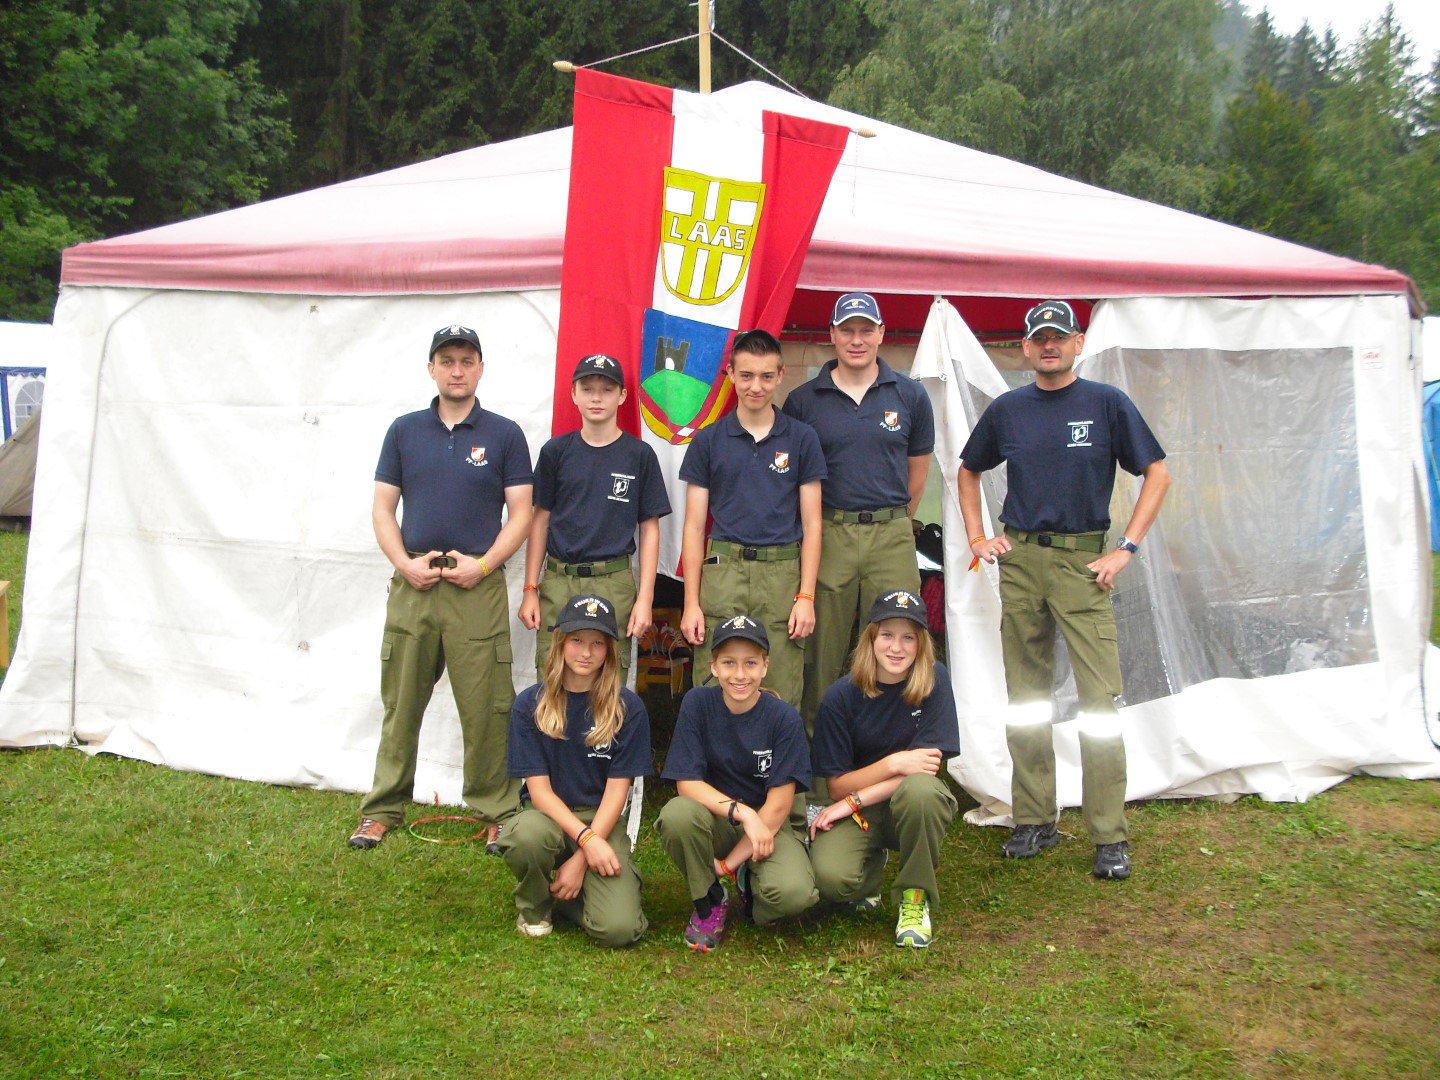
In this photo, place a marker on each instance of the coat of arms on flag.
(687, 222)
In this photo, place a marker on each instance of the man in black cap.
(1061, 438)
(456, 467)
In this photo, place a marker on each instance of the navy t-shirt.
(852, 730)
(754, 486)
(745, 754)
(578, 773)
(596, 495)
(867, 446)
(1061, 447)
(452, 481)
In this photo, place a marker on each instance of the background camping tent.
(204, 590)
(17, 469)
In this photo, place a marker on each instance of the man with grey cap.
(458, 469)
(1061, 438)
(877, 431)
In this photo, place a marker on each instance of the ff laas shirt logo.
(620, 487)
(781, 463)
(1079, 433)
(891, 420)
(763, 760)
(477, 456)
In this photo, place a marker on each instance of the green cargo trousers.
(849, 862)
(765, 590)
(468, 632)
(694, 838)
(608, 908)
(1041, 589)
(857, 563)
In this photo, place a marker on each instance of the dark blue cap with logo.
(587, 612)
(1054, 315)
(447, 335)
(742, 627)
(600, 364)
(899, 604)
(856, 304)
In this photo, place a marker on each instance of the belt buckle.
(866, 517)
(750, 553)
(1045, 540)
(585, 570)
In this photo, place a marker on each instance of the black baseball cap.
(447, 334)
(1051, 315)
(743, 627)
(899, 604)
(600, 364)
(587, 612)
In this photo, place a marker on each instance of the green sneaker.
(913, 928)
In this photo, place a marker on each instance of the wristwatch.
(1126, 545)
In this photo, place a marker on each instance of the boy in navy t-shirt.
(737, 757)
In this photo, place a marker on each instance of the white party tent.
(204, 591)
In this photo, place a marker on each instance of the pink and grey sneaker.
(703, 935)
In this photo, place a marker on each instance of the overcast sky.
(1419, 18)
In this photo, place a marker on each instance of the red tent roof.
(907, 215)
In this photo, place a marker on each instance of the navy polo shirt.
(754, 486)
(745, 754)
(578, 773)
(867, 446)
(852, 730)
(1061, 448)
(596, 495)
(452, 482)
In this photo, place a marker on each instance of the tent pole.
(705, 27)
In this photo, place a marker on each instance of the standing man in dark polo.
(877, 430)
(1061, 438)
(456, 467)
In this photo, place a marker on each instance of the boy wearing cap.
(738, 756)
(1061, 438)
(593, 488)
(756, 474)
(877, 431)
(456, 467)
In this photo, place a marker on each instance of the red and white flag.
(688, 220)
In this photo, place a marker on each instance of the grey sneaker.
(1027, 841)
(529, 929)
(1112, 860)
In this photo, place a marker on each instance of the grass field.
(159, 923)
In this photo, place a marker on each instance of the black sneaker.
(1027, 841)
(1112, 860)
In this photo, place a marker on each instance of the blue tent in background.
(1430, 416)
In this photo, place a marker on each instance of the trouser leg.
(1086, 617)
(532, 844)
(411, 663)
(611, 905)
(849, 862)
(477, 650)
(784, 884)
(687, 834)
(920, 813)
(837, 591)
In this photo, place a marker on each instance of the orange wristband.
(530, 588)
(805, 596)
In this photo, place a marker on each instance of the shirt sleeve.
(812, 457)
(1135, 444)
(387, 471)
(524, 755)
(634, 758)
(517, 458)
(654, 499)
(833, 752)
(982, 450)
(939, 727)
(546, 474)
(695, 469)
(686, 757)
(792, 759)
(922, 426)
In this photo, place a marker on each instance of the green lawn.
(160, 923)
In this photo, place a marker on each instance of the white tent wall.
(202, 569)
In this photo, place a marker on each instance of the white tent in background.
(204, 590)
